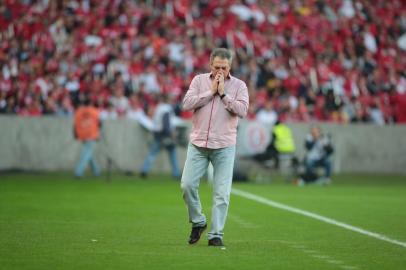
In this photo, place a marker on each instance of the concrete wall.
(358, 148)
(363, 148)
(47, 143)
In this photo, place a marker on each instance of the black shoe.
(216, 242)
(196, 233)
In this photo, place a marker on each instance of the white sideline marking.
(263, 200)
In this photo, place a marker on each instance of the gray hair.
(222, 53)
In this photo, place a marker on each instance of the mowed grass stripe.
(331, 221)
(142, 224)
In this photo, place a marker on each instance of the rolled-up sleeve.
(238, 104)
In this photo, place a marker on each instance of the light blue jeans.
(196, 164)
(154, 151)
(86, 156)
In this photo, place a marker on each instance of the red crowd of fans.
(303, 60)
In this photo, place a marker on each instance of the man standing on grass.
(87, 130)
(218, 100)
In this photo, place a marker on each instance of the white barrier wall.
(47, 143)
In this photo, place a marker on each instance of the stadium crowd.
(303, 60)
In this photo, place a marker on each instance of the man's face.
(315, 132)
(220, 65)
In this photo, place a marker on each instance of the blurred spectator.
(32, 108)
(280, 152)
(375, 113)
(285, 49)
(267, 114)
(87, 130)
(137, 113)
(50, 106)
(118, 100)
(163, 136)
(3, 102)
(66, 108)
(319, 150)
(108, 112)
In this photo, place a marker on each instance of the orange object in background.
(86, 123)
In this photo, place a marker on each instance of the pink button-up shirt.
(215, 120)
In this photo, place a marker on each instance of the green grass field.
(52, 221)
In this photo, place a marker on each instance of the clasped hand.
(217, 86)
